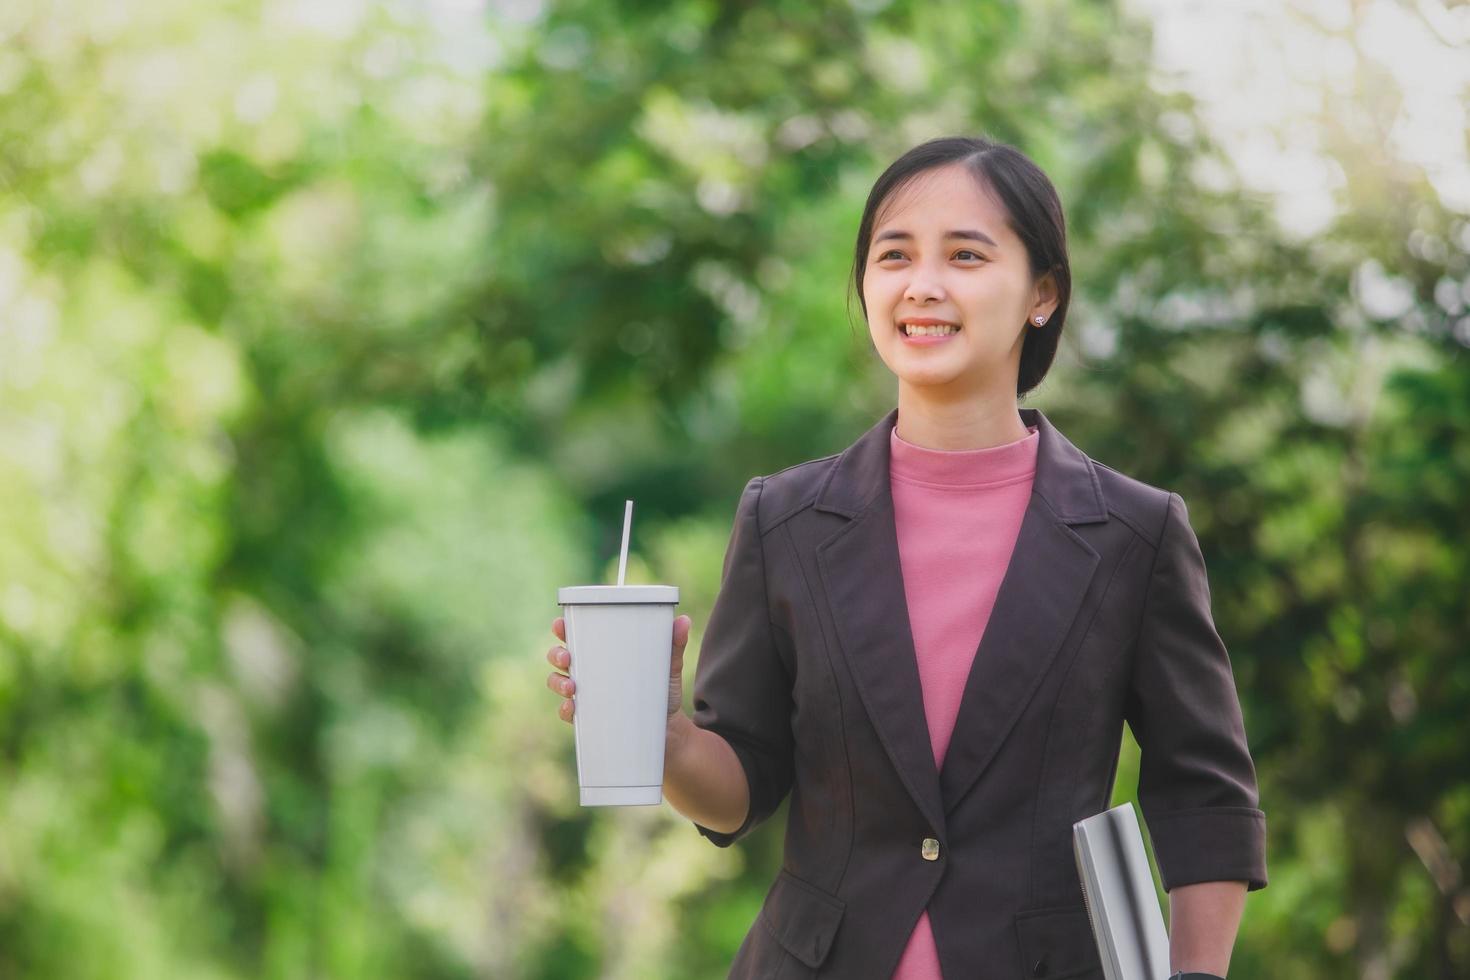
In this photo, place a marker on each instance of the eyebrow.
(964, 233)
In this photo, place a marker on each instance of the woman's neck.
(972, 424)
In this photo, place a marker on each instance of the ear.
(1045, 298)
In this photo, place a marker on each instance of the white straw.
(623, 555)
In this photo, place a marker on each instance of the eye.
(964, 251)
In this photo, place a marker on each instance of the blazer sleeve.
(742, 688)
(1196, 782)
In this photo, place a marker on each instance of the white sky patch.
(1259, 70)
(338, 19)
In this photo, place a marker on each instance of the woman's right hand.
(561, 658)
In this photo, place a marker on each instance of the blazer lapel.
(864, 585)
(1039, 597)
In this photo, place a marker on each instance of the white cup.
(620, 638)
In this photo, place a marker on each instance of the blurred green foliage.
(333, 336)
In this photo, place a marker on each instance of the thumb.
(681, 633)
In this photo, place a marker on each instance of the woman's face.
(942, 250)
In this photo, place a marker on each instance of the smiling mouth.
(937, 331)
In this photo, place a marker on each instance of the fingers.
(565, 686)
(676, 658)
(561, 684)
(559, 656)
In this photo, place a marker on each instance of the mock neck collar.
(1065, 478)
(963, 468)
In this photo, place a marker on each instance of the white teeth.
(940, 331)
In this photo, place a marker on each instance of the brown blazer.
(807, 668)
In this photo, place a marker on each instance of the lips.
(923, 340)
(937, 323)
(924, 321)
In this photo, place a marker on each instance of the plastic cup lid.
(604, 594)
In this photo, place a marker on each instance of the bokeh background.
(334, 334)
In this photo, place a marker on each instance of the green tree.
(333, 335)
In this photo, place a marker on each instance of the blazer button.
(930, 849)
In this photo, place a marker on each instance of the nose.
(923, 287)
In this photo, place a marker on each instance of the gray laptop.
(1118, 889)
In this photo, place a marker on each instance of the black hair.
(1033, 212)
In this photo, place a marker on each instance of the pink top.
(957, 514)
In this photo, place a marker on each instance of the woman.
(932, 639)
